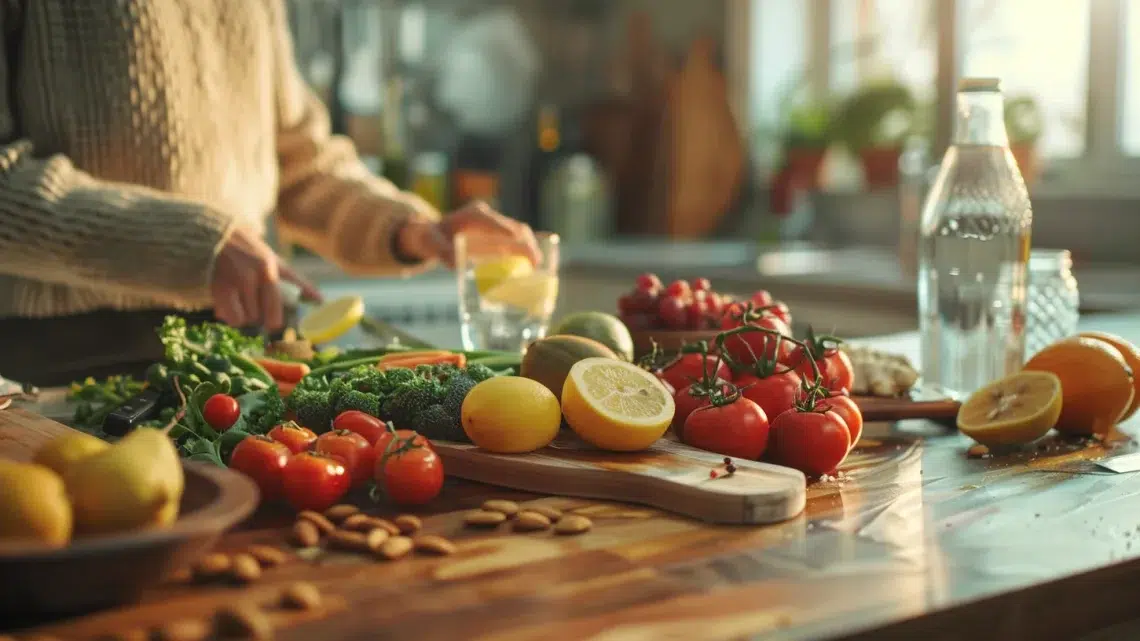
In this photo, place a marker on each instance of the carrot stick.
(284, 371)
(458, 360)
(285, 388)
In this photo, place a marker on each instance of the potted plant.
(805, 141)
(873, 123)
(1023, 123)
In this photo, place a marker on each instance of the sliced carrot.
(286, 371)
(400, 356)
(451, 358)
(285, 388)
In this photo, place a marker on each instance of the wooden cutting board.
(901, 409)
(670, 476)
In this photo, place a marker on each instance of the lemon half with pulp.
(614, 405)
(332, 320)
(1013, 410)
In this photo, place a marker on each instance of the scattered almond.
(267, 555)
(339, 513)
(305, 534)
(375, 538)
(183, 630)
(977, 451)
(572, 524)
(245, 568)
(242, 621)
(349, 541)
(434, 545)
(509, 508)
(385, 524)
(395, 547)
(484, 518)
(551, 513)
(212, 566)
(408, 523)
(324, 525)
(301, 595)
(531, 521)
(358, 522)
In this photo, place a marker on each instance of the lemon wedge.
(332, 320)
(536, 293)
(1013, 410)
(492, 272)
(614, 405)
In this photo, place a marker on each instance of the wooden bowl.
(668, 340)
(105, 571)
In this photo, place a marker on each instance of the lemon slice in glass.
(616, 405)
(332, 320)
(492, 272)
(1013, 410)
(536, 293)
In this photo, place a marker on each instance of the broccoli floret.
(395, 380)
(402, 407)
(479, 373)
(357, 400)
(437, 423)
(457, 388)
(312, 409)
(269, 412)
(366, 378)
(337, 390)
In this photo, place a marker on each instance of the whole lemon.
(511, 415)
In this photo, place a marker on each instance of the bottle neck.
(981, 119)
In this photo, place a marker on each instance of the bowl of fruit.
(671, 316)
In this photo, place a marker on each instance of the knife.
(390, 334)
(1121, 464)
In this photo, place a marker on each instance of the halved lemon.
(332, 320)
(536, 293)
(1013, 410)
(491, 272)
(615, 405)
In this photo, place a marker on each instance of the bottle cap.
(979, 84)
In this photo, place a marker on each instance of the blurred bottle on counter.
(974, 252)
(394, 134)
(477, 170)
(569, 194)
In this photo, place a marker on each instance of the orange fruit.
(1131, 356)
(1096, 383)
(1013, 410)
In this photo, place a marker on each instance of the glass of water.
(505, 302)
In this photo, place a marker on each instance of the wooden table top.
(917, 541)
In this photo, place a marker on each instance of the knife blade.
(391, 334)
(1121, 464)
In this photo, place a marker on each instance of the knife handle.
(140, 407)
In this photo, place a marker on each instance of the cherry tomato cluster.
(681, 305)
(314, 472)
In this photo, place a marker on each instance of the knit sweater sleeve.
(61, 225)
(329, 201)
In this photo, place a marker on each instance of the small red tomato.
(263, 460)
(665, 383)
(700, 285)
(835, 369)
(410, 476)
(352, 449)
(403, 436)
(850, 413)
(747, 347)
(627, 304)
(689, 368)
(774, 394)
(715, 304)
(315, 481)
(678, 288)
(814, 443)
(781, 311)
(687, 401)
(644, 300)
(738, 429)
(637, 321)
(298, 439)
(366, 425)
(761, 298)
(221, 411)
(697, 313)
(648, 282)
(671, 310)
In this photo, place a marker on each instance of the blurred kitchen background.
(777, 143)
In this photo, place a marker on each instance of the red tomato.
(762, 298)
(315, 481)
(739, 429)
(298, 439)
(403, 435)
(683, 371)
(672, 312)
(263, 460)
(850, 413)
(410, 476)
(774, 394)
(781, 311)
(814, 443)
(678, 288)
(686, 403)
(747, 347)
(700, 285)
(366, 425)
(696, 314)
(221, 411)
(834, 368)
(353, 450)
(648, 282)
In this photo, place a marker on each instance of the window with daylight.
(880, 39)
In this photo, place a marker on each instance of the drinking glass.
(505, 302)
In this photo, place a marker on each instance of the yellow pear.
(62, 452)
(135, 483)
(33, 505)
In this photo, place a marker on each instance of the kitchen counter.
(916, 541)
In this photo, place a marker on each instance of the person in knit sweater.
(143, 146)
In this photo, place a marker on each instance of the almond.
(484, 518)
(348, 541)
(183, 630)
(509, 508)
(242, 621)
(338, 513)
(434, 545)
(573, 524)
(395, 548)
(306, 534)
(358, 522)
(301, 595)
(245, 568)
(324, 525)
(267, 555)
(376, 538)
(531, 521)
(551, 513)
(408, 523)
(385, 524)
(212, 566)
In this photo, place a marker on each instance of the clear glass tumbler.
(505, 302)
(1053, 300)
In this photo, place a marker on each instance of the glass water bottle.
(974, 252)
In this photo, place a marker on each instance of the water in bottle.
(974, 252)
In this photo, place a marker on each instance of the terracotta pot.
(804, 165)
(881, 167)
(1025, 153)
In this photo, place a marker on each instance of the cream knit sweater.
(135, 134)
